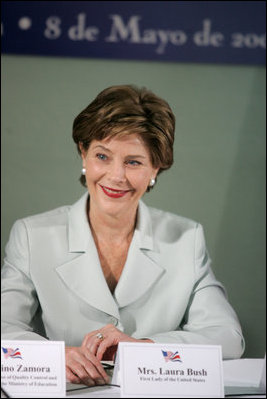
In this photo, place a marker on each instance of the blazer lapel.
(83, 273)
(142, 268)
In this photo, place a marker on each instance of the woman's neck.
(112, 228)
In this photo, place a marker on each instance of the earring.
(83, 171)
(152, 182)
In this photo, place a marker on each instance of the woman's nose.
(117, 172)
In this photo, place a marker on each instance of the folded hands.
(83, 364)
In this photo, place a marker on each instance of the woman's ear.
(82, 149)
(156, 172)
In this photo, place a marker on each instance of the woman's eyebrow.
(101, 147)
(136, 156)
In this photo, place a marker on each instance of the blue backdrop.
(183, 31)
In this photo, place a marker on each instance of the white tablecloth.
(240, 377)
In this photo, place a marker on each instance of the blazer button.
(113, 321)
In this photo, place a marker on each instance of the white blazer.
(53, 286)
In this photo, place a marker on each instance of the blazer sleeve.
(209, 318)
(19, 301)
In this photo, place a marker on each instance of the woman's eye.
(102, 157)
(134, 163)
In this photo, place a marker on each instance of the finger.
(97, 366)
(110, 340)
(94, 344)
(83, 374)
(71, 377)
(74, 361)
(84, 368)
(104, 345)
(93, 373)
(88, 338)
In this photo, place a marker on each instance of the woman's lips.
(114, 193)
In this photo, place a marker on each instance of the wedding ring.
(100, 336)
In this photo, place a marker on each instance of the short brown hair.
(127, 109)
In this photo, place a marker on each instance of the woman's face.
(118, 172)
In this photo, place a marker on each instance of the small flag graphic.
(9, 352)
(171, 357)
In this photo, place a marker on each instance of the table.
(241, 377)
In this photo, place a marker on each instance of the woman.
(108, 268)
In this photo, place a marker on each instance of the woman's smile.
(114, 193)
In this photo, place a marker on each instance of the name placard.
(169, 370)
(33, 368)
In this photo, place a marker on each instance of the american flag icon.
(13, 353)
(171, 357)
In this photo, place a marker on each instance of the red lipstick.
(114, 193)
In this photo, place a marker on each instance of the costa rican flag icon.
(13, 353)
